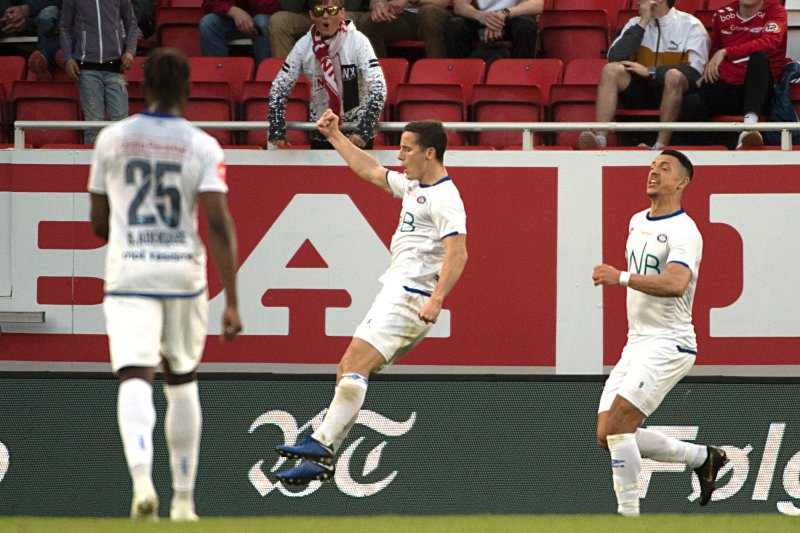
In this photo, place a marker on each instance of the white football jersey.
(430, 214)
(652, 244)
(152, 168)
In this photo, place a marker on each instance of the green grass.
(772, 523)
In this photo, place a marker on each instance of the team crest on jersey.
(771, 27)
(662, 237)
(421, 200)
(221, 171)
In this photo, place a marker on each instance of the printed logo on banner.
(733, 476)
(343, 479)
(5, 459)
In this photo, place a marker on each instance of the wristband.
(624, 278)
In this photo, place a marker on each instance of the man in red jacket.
(748, 54)
(236, 19)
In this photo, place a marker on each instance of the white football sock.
(136, 416)
(626, 463)
(657, 446)
(182, 426)
(750, 118)
(343, 411)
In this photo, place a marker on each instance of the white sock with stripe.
(626, 463)
(136, 417)
(343, 411)
(182, 426)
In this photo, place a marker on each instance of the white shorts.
(392, 325)
(646, 372)
(143, 330)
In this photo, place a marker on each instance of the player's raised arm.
(363, 164)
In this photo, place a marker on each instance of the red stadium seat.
(570, 34)
(584, 71)
(395, 72)
(211, 109)
(572, 103)
(12, 68)
(422, 101)
(48, 108)
(713, 5)
(232, 70)
(185, 37)
(505, 103)
(465, 72)
(540, 72)
(689, 6)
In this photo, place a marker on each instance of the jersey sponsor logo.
(724, 17)
(772, 27)
(421, 200)
(368, 462)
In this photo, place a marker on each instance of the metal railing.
(528, 129)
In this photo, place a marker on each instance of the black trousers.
(461, 34)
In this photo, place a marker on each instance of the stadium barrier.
(528, 129)
(421, 445)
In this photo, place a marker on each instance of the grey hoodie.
(98, 31)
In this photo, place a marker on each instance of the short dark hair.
(430, 134)
(670, 3)
(166, 78)
(683, 160)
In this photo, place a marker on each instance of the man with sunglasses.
(344, 73)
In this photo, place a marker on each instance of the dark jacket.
(98, 31)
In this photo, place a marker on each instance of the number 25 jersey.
(152, 168)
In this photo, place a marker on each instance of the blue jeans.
(216, 31)
(45, 27)
(100, 91)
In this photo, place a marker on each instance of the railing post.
(786, 140)
(527, 139)
(19, 138)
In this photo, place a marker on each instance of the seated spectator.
(658, 57)
(488, 21)
(344, 73)
(97, 46)
(293, 20)
(748, 55)
(236, 19)
(34, 17)
(417, 20)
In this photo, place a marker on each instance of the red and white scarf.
(325, 50)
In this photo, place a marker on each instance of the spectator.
(344, 73)
(34, 17)
(748, 54)
(293, 20)
(489, 21)
(658, 57)
(236, 19)
(98, 40)
(394, 20)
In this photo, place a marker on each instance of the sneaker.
(656, 146)
(587, 140)
(308, 448)
(306, 472)
(145, 506)
(182, 511)
(707, 472)
(750, 139)
(38, 65)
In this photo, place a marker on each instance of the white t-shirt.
(152, 168)
(430, 214)
(652, 244)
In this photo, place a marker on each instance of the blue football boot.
(306, 472)
(307, 448)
